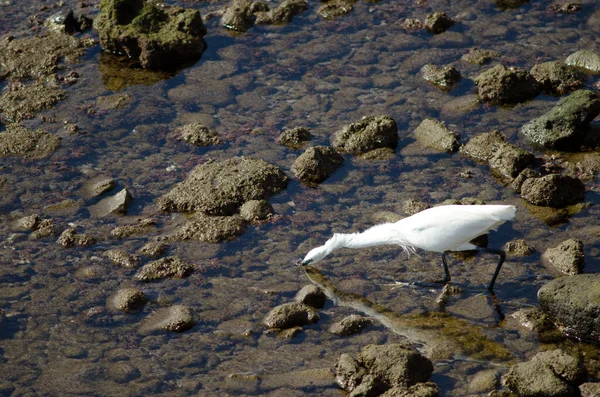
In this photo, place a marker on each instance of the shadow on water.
(438, 335)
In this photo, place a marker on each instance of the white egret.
(438, 229)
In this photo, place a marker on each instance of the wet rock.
(444, 77)
(154, 249)
(256, 210)
(438, 22)
(121, 372)
(348, 372)
(433, 134)
(126, 300)
(123, 258)
(501, 85)
(316, 164)
(335, 8)
(198, 134)
(45, 228)
(70, 238)
(24, 142)
(370, 133)
(30, 222)
(533, 319)
(573, 304)
(97, 186)
(158, 36)
(553, 190)
(427, 389)
(291, 315)
(311, 295)
(295, 138)
(484, 381)
(527, 173)
(62, 21)
(353, 324)
(22, 101)
(220, 188)
(505, 160)
(518, 247)
(177, 318)
(590, 389)
(143, 226)
(238, 15)
(585, 59)
(478, 56)
(169, 267)
(283, 13)
(211, 229)
(568, 257)
(562, 128)
(115, 205)
(558, 78)
(566, 8)
(412, 24)
(549, 373)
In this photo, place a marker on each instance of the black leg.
(502, 256)
(446, 271)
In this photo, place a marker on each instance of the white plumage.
(438, 229)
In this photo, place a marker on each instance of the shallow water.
(57, 337)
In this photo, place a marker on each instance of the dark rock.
(123, 258)
(295, 138)
(97, 186)
(126, 300)
(549, 373)
(158, 36)
(238, 16)
(311, 295)
(501, 85)
(70, 238)
(433, 134)
(590, 389)
(177, 318)
(170, 266)
(505, 160)
(479, 57)
(444, 77)
(198, 134)
(562, 128)
(283, 13)
(568, 257)
(553, 190)
(24, 142)
(518, 247)
(350, 325)
(114, 205)
(335, 8)
(558, 78)
(395, 364)
(143, 226)
(585, 59)
(256, 210)
(211, 229)
(371, 132)
(316, 164)
(438, 22)
(154, 249)
(220, 188)
(573, 304)
(291, 315)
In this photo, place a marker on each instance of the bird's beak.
(300, 262)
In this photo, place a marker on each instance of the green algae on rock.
(160, 37)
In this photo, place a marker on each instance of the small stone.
(350, 325)
(295, 138)
(443, 77)
(127, 300)
(316, 164)
(123, 258)
(115, 205)
(169, 267)
(45, 228)
(435, 135)
(370, 133)
(98, 186)
(291, 315)
(484, 381)
(438, 22)
(256, 210)
(518, 248)
(176, 318)
(70, 238)
(501, 85)
(568, 257)
(533, 319)
(311, 295)
(479, 57)
(198, 134)
(30, 222)
(585, 59)
(335, 8)
(553, 190)
(154, 249)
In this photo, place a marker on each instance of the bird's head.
(315, 255)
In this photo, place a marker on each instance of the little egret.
(438, 229)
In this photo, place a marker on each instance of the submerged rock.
(24, 142)
(158, 36)
(549, 373)
(335, 8)
(169, 267)
(126, 300)
(573, 304)
(435, 135)
(438, 22)
(211, 228)
(568, 257)
(350, 325)
(256, 210)
(478, 56)
(115, 205)
(291, 315)
(143, 226)
(501, 85)
(558, 78)
(585, 59)
(553, 190)
(97, 186)
(370, 133)
(295, 138)
(154, 249)
(177, 318)
(198, 134)
(70, 238)
(220, 188)
(443, 77)
(123, 258)
(316, 164)
(283, 13)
